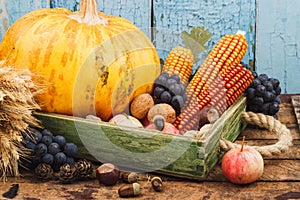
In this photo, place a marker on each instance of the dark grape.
(250, 93)
(182, 89)
(59, 158)
(175, 89)
(258, 101)
(184, 97)
(265, 108)
(70, 149)
(172, 87)
(36, 160)
(30, 145)
(47, 132)
(54, 148)
(176, 78)
(260, 90)
(157, 91)
(275, 82)
(161, 80)
(262, 95)
(70, 160)
(274, 108)
(26, 139)
(165, 97)
(268, 96)
(38, 137)
(277, 99)
(177, 103)
(255, 83)
(170, 82)
(157, 101)
(59, 139)
(268, 85)
(41, 149)
(252, 107)
(263, 77)
(278, 90)
(165, 74)
(46, 139)
(48, 158)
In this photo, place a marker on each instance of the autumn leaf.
(195, 40)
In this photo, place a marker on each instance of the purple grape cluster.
(263, 95)
(168, 89)
(49, 149)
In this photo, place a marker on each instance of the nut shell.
(107, 174)
(163, 109)
(141, 105)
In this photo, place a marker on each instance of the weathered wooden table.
(281, 178)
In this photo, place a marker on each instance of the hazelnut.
(164, 110)
(107, 174)
(140, 105)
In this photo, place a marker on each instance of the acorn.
(157, 184)
(131, 190)
(130, 177)
(107, 174)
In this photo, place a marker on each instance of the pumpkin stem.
(88, 14)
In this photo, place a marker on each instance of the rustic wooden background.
(272, 26)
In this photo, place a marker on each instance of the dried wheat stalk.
(17, 104)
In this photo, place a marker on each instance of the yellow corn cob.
(179, 61)
(218, 82)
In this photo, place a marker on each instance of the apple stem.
(243, 143)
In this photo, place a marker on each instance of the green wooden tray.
(144, 150)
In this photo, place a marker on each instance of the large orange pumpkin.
(91, 63)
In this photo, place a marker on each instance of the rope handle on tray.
(267, 122)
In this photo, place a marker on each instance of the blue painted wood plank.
(278, 42)
(220, 17)
(11, 10)
(72, 5)
(136, 11)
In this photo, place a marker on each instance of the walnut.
(141, 105)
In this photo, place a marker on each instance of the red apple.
(168, 128)
(242, 166)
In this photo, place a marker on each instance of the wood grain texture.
(218, 16)
(278, 42)
(33, 188)
(296, 105)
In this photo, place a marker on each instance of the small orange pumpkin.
(92, 63)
